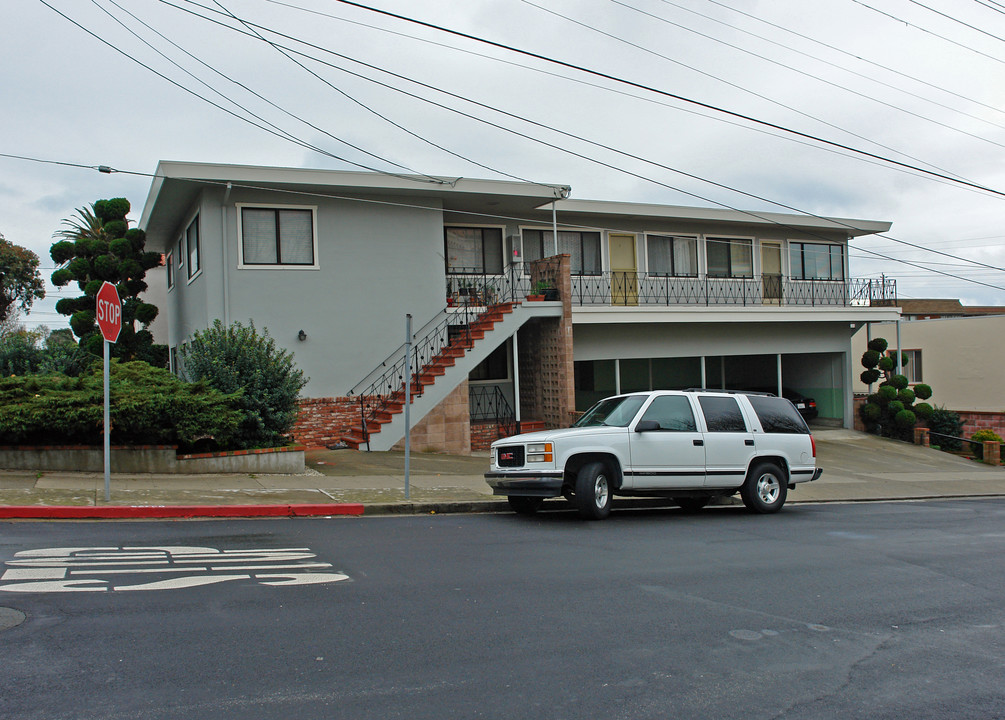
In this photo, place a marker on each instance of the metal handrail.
(490, 404)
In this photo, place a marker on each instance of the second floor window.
(729, 257)
(816, 261)
(583, 249)
(192, 247)
(672, 255)
(474, 250)
(277, 236)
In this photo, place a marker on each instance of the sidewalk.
(857, 467)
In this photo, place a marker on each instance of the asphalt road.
(889, 610)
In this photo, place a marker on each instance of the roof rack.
(730, 392)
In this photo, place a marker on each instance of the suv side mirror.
(647, 426)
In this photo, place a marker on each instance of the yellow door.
(624, 271)
(771, 273)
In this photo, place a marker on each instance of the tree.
(891, 410)
(238, 358)
(20, 282)
(96, 246)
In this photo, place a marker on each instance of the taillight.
(814, 444)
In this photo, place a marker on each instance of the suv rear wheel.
(765, 489)
(593, 491)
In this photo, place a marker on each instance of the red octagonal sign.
(109, 312)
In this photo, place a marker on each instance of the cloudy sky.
(125, 83)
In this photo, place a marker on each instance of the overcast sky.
(922, 83)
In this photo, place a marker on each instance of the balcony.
(626, 289)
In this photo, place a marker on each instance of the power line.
(675, 96)
(216, 105)
(605, 147)
(925, 30)
(846, 53)
(956, 20)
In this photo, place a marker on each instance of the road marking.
(129, 568)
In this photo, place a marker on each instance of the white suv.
(691, 446)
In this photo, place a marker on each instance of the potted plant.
(545, 290)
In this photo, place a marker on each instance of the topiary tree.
(97, 246)
(948, 424)
(238, 358)
(891, 411)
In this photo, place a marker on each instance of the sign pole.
(108, 443)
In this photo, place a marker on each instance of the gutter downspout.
(226, 261)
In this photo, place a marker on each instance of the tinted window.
(722, 414)
(615, 412)
(672, 412)
(778, 415)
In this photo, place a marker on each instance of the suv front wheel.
(593, 491)
(765, 489)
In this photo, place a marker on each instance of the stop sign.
(109, 312)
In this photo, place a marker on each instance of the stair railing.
(490, 403)
(384, 385)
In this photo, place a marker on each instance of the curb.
(111, 512)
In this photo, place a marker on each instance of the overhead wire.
(869, 78)
(667, 93)
(631, 156)
(842, 51)
(211, 102)
(956, 20)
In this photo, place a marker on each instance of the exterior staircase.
(448, 355)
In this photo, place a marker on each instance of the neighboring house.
(936, 308)
(951, 354)
(649, 296)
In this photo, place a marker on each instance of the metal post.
(617, 376)
(778, 359)
(408, 399)
(108, 444)
(900, 366)
(516, 382)
(554, 225)
(703, 380)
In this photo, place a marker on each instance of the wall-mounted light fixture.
(301, 336)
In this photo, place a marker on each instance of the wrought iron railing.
(635, 288)
(489, 404)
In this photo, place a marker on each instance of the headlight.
(539, 452)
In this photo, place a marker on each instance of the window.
(169, 264)
(722, 414)
(192, 247)
(729, 257)
(474, 250)
(583, 249)
(494, 367)
(911, 364)
(672, 412)
(816, 261)
(277, 236)
(672, 255)
(778, 415)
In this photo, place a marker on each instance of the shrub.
(899, 381)
(148, 406)
(895, 406)
(887, 393)
(871, 412)
(886, 363)
(878, 345)
(906, 396)
(905, 418)
(869, 359)
(923, 410)
(239, 358)
(946, 422)
(868, 376)
(21, 354)
(923, 391)
(982, 436)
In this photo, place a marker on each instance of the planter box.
(159, 459)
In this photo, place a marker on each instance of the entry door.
(672, 456)
(771, 273)
(624, 270)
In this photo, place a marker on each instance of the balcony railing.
(468, 285)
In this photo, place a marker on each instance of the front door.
(624, 271)
(771, 273)
(672, 456)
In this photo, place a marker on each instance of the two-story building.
(641, 296)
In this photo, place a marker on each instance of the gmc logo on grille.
(506, 456)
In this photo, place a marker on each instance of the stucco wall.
(960, 358)
(376, 263)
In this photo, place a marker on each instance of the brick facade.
(974, 421)
(446, 428)
(547, 390)
(321, 422)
